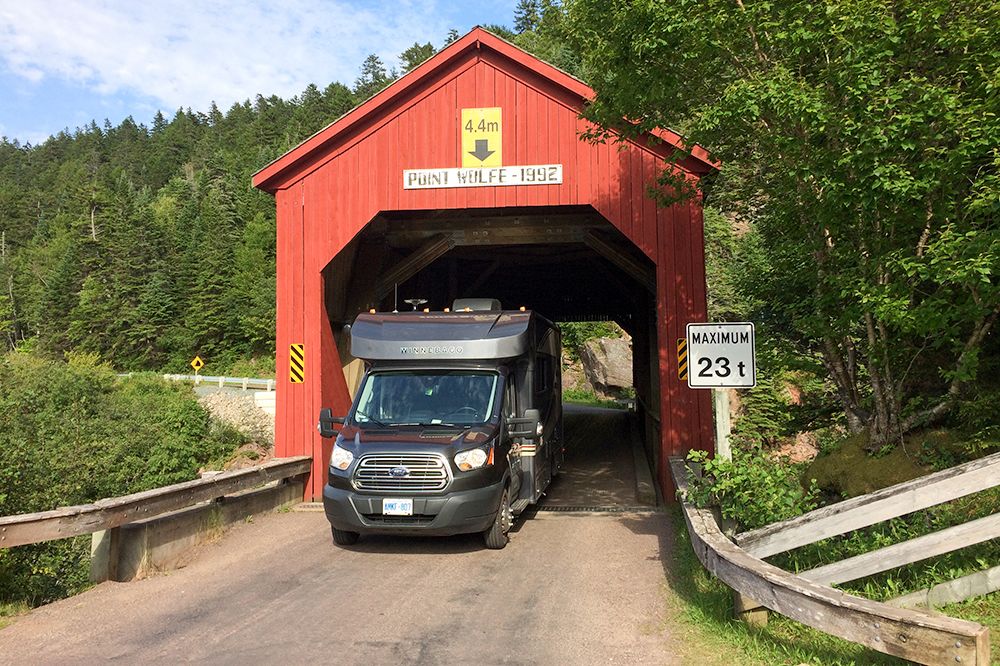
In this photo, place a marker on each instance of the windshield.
(425, 397)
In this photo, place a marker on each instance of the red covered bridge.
(468, 177)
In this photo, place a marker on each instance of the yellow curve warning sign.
(482, 136)
(297, 363)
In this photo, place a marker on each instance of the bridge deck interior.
(567, 263)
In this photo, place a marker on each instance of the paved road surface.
(568, 589)
(599, 469)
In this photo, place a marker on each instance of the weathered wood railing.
(117, 511)
(910, 634)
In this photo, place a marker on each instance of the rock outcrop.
(607, 364)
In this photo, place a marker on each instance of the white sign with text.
(721, 355)
(534, 174)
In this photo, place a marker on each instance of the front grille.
(397, 520)
(426, 473)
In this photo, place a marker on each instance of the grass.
(10, 611)
(589, 398)
(984, 610)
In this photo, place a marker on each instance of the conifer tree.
(372, 79)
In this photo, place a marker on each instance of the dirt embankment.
(240, 411)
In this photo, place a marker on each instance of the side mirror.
(529, 427)
(326, 422)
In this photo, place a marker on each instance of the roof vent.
(476, 305)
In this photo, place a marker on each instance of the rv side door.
(513, 453)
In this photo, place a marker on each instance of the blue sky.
(64, 63)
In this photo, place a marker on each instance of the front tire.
(344, 537)
(496, 537)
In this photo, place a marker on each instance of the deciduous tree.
(861, 138)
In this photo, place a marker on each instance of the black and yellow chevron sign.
(682, 358)
(297, 363)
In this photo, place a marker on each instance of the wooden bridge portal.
(468, 177)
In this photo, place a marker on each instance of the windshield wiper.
(370, 419)
(425, 424)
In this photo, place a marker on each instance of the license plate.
(397, 507)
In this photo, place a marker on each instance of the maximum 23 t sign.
(721, 355)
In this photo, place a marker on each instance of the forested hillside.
(147, 244)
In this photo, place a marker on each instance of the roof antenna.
(395, 297)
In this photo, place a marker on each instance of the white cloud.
(190, 53)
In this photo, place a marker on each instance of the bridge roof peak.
(477, 45)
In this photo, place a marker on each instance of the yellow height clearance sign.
(297, 363)
(482, 137)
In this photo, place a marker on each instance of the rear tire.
(344, 537)
(496, 537)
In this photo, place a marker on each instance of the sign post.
(720, 357)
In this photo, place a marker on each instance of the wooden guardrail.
(114, 512)
(881, 505)
(884, 504)
(910, 634)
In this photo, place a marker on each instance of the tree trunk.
(884, 425)
(839, 359)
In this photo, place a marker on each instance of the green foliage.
(145, 245)
(588, 397)
(262, 367)
(752, 489)
(575, 333)
(527, 15)
(415, 55)
(859, 141)
(850, 470)
(543, 31)
(372, 79)
(766, 417)
(726, 261)
(74, 432)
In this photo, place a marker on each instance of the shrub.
(575, 333)
(74, 432)
(752, 489)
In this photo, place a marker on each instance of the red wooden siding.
(329, 188)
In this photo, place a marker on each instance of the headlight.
(474, 458)
(341, 458)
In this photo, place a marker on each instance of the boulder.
(607, 363)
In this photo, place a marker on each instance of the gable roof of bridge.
(477, 44)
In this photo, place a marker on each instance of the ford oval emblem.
(399, 472)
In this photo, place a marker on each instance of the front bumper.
(459, 512)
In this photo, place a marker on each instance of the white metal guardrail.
(245, 383)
